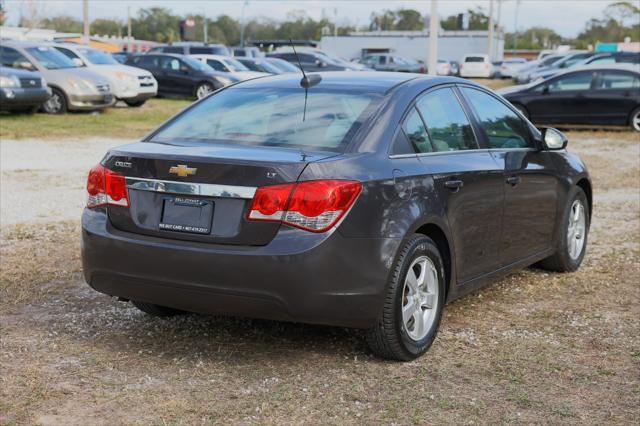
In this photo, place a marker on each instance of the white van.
(476, 65)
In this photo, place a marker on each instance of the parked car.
(476, 65)
(268, 65)
(73, 88)
(388, 62)
(495, 69)
(229, 66)
(444, 67)
(180, 75)
(346, 210)
(588, 95)
(22, 90)
(455, 68)
(311, 61)
(192, 48)
(510, 66)
(559, 65)
(523, 75)
(247, 52)
(612, 58)
(131, 85)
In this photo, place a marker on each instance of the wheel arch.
(585, 185)
(438, 235)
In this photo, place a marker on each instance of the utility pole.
(515, 29)
(491, 56)
(85, 19)
(498, 23)
(205, 28)
(433, 38)
(129, 29)
(242, 23)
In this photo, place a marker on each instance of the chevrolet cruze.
(362, 200)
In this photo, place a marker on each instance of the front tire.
(412, 310)
(135, 104)
(572, 235)
(634, 120)
(155, 310)
(56, 104)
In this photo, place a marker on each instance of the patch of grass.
(118, 122)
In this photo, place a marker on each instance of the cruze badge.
(182, 170)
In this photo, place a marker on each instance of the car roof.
(23, 43)
(191, 43)
(207, 56)
(370, 81)
(618, 67)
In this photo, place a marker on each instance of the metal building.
(452, 45)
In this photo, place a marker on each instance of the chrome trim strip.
(188, 188)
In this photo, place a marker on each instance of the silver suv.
(73, 88)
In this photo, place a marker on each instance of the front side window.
(68, 53)
(503, 127)
(416, 132)
(216, 65)
(572, 82)
(447, 123)
(612, 80)
(51, 58)
(169, 63)
(274, 117)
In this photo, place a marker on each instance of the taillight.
(315, 205)
(104, 187)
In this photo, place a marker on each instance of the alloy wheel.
(203, 90)
(420, 298)
(53, 104)
(635, 120)
(576, 231)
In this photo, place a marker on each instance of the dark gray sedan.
(364, 200)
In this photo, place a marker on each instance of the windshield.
(51, 58)
(281, 65)
(549, 60)
(97, 57)
(274, 117)
(264, 66)
(235, 65)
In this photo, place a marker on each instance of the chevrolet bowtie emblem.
(182, 170)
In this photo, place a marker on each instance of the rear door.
(529, 178)
(563, 100)
(467, 179)
(614, 96)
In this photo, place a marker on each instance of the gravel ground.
(533, 348)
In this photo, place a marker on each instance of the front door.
(175, 76)
(529, 178)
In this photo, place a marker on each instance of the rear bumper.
(299, 276)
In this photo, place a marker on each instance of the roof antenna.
(306, 82)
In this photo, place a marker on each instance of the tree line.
(620, 20)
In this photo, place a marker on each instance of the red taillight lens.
(106, 187)
(315, 206)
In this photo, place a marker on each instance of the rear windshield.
(474, 59)
(274, 117)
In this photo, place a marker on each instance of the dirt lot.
(533, 348)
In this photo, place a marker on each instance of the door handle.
(454, 185)
(513, 180)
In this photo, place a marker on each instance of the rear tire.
(572, 235)
(398, 333)
(203, 89)
(634, 120)
(56, 104)
(135, 104)
(155, 310)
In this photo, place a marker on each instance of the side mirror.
(78, 62)
(553, 139)
(320, 64)
(25, 65)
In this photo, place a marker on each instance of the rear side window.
(611, 80)
(173, 49)
(147, 61)
(503, 127)
(216, 65)
(416, 132)
(572, 82)
(447, 123)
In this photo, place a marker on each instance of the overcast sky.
(567, 17)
